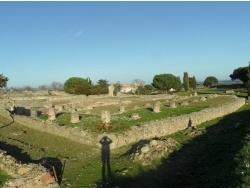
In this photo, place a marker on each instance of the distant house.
(125, 88)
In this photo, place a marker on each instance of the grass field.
(217, 158)
(122, 122)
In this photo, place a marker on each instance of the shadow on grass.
(48, 162)
(207, 160)
(8, 123)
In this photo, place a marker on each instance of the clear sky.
(42, 42)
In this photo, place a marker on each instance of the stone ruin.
(192, 131)
(26, 175)
(184, 103)
(74, 117)
(33, 113)
(203, 98)
(51, 114)
(157, 107)
(111, 90)
(105, 117)
(232, 92)
(122, 107)
(155, 149)
(135, 116)
(172, 104)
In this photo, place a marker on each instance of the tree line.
(161, 82)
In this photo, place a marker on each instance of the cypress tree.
(194, 83)
(186, 81)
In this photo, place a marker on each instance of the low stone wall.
(171, 125)
(148, 130)
(25, 175)
(75, 134)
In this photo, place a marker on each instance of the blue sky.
(42, 42)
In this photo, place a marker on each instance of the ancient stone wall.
(25, 175)
(171, 125)
(148, 130)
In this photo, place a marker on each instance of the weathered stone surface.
(184, 103)
(157, 107)
(135, 116)
(172, 104)
(105, 117)
(33, 113)
(122, 108)
(156, 149)
(203, 99)
(25, 176)
(111, 90)
(145, 149)
(153, 143)
(60, 108)
(51, 114)
(74, 117)
(230, 92)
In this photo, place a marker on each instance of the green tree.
(178, 85)
(210, 80)
(82, 90)
(3, 81)
(166, 82)
(117, 87)
(103, 83)
(149, 87)
(193, 83)
(240, 74)
(89, 81)
(145, 90)
(76, 85)
(186, 81)
(103, 86)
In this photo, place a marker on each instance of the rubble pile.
(155, 149)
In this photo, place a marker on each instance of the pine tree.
(3, 81)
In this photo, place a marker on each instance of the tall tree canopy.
(3, 81)
(240, 74)
(76, 85)
(186, 81)
(210, 80)
(102, 87)
(166, 82)
(193, 82)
